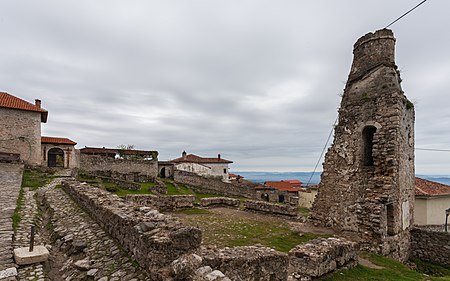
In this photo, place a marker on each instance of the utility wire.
(406, 13)
(323, 151)
(432, 149)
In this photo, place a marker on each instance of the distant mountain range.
(261, 177)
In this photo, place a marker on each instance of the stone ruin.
(367, 184)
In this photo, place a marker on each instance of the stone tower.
(367, 184)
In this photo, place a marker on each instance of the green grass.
(35, 179)
(181, 190)
(16, 218)
(303, 211)
(392, 270)
(431, 268)
(229, 230)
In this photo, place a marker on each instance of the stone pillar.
(367, 184)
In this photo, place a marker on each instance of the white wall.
(431, 210)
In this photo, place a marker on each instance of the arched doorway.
(56, 157)
(281, 198)
(163, 173)
(265, 197)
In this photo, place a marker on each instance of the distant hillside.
(260, 177)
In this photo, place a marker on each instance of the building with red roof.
(59, 152)
(20, 132)
(206, 167)
(432, 199)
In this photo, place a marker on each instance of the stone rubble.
(220, 201)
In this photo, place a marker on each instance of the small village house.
(206, 167)
(20, 130)
(432, 199)
(278, 191)
(59, 152)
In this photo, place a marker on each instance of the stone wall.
(367, 184)
(71, 156)
(265, 207)
(220, 201)
(249, 263)
(153, 239)
(214, 186)
(433, 246)
(321, 256)
(21, 133)
(277, 196)
(129, 170)
(162, 202)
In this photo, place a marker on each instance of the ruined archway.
(56, 157)
(162, 174)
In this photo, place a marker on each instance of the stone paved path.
(87, 250)
(29, 216)
(10, 181)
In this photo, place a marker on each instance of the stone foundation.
(154, 240)
(265, 207)
(162, 202)
(321, 256)
(220, 201)
(248, 263)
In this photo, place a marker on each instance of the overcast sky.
(257, 81)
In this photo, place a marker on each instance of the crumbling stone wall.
(271, 208)
(128, 170)
(152, 238)
(433, 246)
(367, 184)
(220, 201)
(21, 133)
(249, 263)
(321, 256)
(214, 186)
(162, 202)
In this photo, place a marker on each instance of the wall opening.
(281, 198)
(162, 174)
(367, 135)
(265, 197)
(55, 157)
(390, 219)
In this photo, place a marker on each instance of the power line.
(323, 151)
(406, 13)
(432, 149)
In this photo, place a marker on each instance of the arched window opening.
(367, 135)
(265, 197)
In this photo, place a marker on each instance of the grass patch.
(431, 268)
(19, 205)
(303, 211)
(241, 229)
(392, 270)
(181, 190)
(35, 179)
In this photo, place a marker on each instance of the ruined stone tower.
(367, 185)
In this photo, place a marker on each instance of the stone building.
(206, 167)
(59, 152)
(20, 130)
(367, 184)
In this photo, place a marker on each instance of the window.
(390, 219)
(367, 135)
(225, 170)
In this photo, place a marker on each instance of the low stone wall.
(128, 170)
(433, 246)
(249, 263)
(153, 239)
(220, 201)
(214, 186)
(162, 202)
(321, 256)
(265, 207)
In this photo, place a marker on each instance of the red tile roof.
(191, 158)
(10, 101)
(281, 185)
(55, 140)
(293, 182)
(431, 188)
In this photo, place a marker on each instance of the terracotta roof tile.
(10, 101)
(56, 140)
(281, 185)
(191, 158)
(431, 188)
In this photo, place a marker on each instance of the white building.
(432, 199)
(206, 167)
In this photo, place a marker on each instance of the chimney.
(218, 156)
(183, 155)
(37, 102)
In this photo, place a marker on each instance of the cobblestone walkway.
(29, 216)
(10, 181)
(87, 250)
